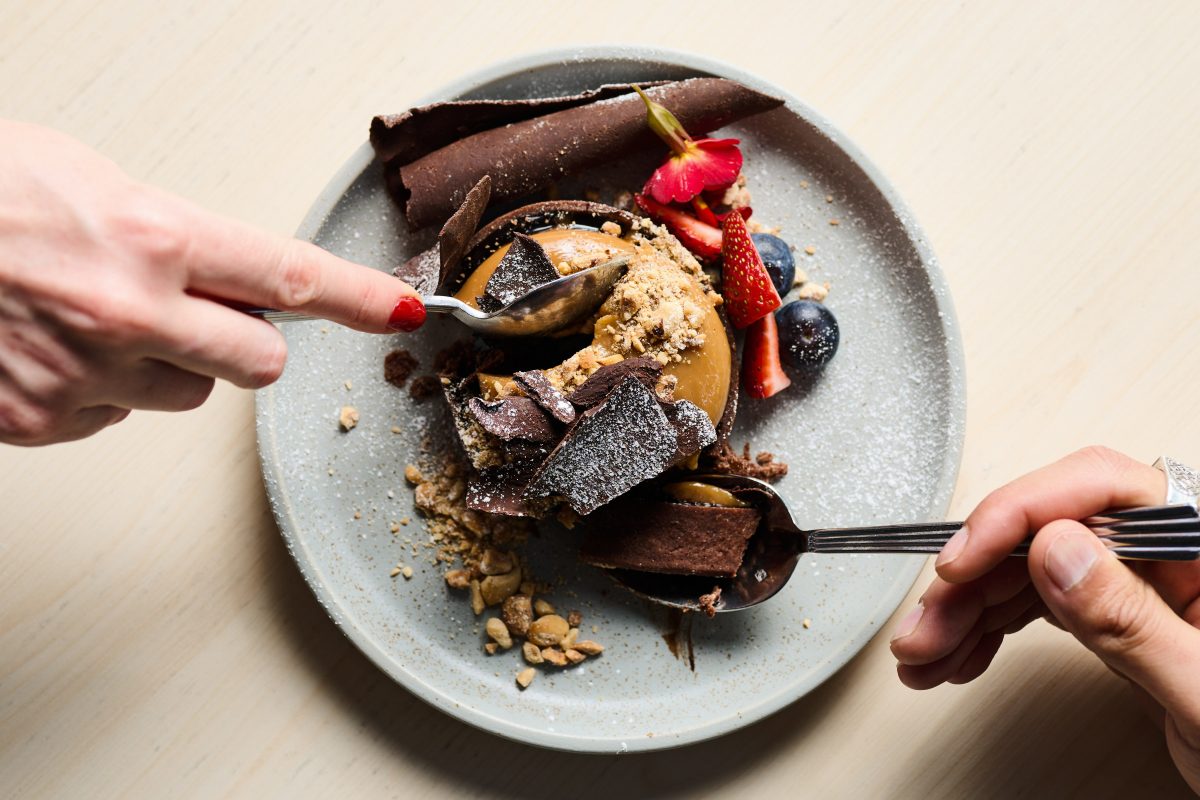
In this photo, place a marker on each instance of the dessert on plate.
(607, 423)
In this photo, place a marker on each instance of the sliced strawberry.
(703, 240)
(762, 373)
(745, 283)
(704, 212)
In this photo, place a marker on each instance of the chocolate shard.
(694, 431)
(429, 270)
(650, 535)
(538, 388)
(603, 380)
(497, 490)
(422, 271)
(457, 232)
(525, 156)
(512, 418)
(613, 446)
(525, 267)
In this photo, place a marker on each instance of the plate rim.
(270, 463)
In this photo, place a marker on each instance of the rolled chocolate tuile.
(524, 156)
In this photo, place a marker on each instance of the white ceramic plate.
(876, 438)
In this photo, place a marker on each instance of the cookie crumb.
(525, 677)
(348, 417)
(810, 250)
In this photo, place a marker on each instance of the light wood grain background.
(155, 639)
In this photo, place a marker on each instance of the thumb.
(1119, 617)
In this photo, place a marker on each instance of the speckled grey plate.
(876, 439)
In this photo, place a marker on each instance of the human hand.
(103, 293)
(1141, 621)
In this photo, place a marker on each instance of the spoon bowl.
(549, 307)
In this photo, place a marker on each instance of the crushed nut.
(477, 604)
(407, 572)
(574, 656)
(807, 623)
(396, 429)
(813, 291)
(458, 579)
(552, 655)
(835, 222)
(395, 571)
(348, 384)
(412, 474)
(542, 608)
(810, 250)
(589, 648)
(517, 614)
(568, 641)
(532, 653)
(499, 632)
(495, 562)
(491, 648)
(498, 588)
(828, 198)
(394, 527)
(548, 630)
(574, 618)
(348, 418)
(525, 677)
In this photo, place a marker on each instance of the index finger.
(234, 261)
(1082, 484)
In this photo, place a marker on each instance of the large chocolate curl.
(525, 156)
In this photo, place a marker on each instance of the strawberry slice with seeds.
(703, 240)
(762, 372)
(745, 283)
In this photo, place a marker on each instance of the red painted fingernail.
(408, 315)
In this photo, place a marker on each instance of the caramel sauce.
(702, 493)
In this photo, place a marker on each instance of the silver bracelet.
(1183, 482)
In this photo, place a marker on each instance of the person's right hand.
(1140, 619)
(103, 293)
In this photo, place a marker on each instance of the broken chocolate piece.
(429, 270)
(525, 267)
(650, 535)
(524, 156)
(620, 442)
(602, 381)
(694, 431)
(457, 232)
(497, 490)
(512, 418)
(538, 388)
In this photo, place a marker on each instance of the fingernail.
(408, 315)
(909, 622)
(953, 548)
(1069, 559)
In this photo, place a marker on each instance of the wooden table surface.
(155, 638)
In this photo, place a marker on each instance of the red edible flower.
(695, 165)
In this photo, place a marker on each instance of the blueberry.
(777, 257)
(808, 334)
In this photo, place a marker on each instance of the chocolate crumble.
(398, 365)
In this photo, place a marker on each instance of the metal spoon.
(1154, 533)
(551, 306)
